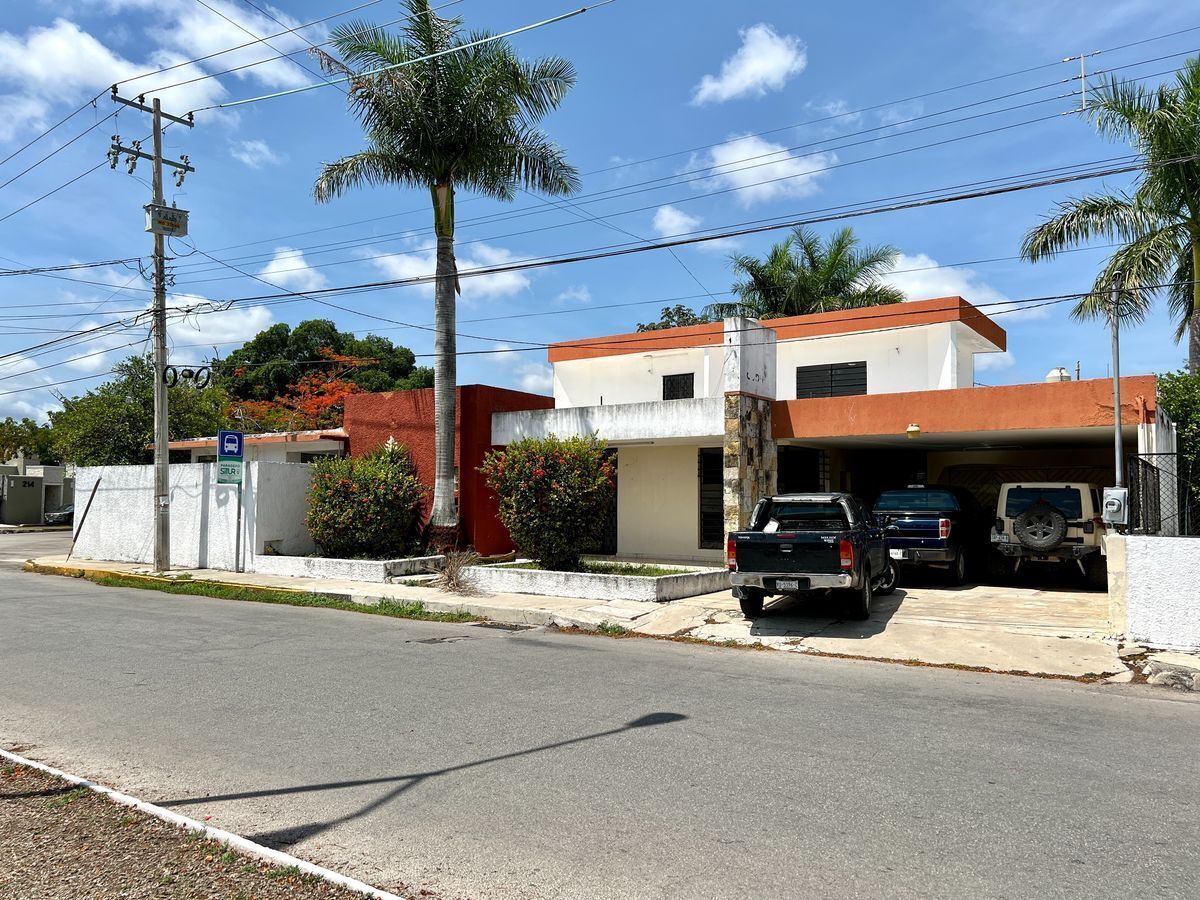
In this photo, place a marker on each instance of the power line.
(629, 190)
(458, 48)
(808, 122)
(63, 121)
(59, 149)
(54, 191)
(200, 59)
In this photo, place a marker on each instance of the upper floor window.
(831, 380)
(679, 387)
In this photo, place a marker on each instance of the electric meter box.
(1116, 506)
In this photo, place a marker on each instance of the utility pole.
(1082, 57)
(161, 221)
(1118, 440)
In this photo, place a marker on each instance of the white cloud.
(759, 170)
(62, 64)
(670, 221)
(764, 62)
(835, 116)
(529, 376)
(52, 67)
(575, 294)
(194, 335)
(289, 269)
(899, 114)
(994, 362)
(420, 262)
(254, 154)
(537, 378)
(922, 278)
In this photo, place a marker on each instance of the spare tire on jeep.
(1040, 527)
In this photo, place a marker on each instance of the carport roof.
(1028, 413)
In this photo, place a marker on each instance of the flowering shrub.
(366, 506)
(554, 494)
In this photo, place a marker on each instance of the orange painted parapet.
(897, 315)
(1067, 404)
(711, 335)
(847, 321)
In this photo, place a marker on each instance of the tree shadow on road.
(284, 837)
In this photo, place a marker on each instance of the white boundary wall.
(119, 525)
(1153, 584)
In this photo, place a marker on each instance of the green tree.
(1158, 223)
(113, 424)
(1179, 394)
(803, 274)
(26, 437)
(452, 119)
(277, 358)
(675, 317)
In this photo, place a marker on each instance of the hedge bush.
(365, 506)
(554, 495)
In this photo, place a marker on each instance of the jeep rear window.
(1066, 500)
(916, 499)
(799, 516)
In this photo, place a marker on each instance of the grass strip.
(413, 609)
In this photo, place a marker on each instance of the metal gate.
(1162, 498)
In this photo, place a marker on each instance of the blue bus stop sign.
(229, 444)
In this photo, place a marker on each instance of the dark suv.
(938, 526)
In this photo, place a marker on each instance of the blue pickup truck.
(797, 543)
(938, 526)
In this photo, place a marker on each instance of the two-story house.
(706, 419)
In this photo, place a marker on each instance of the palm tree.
(1158, 224)
(465, 118)
(803, 274)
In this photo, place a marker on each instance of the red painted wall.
(407, 416)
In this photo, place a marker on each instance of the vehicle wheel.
(958, 569)
(1096, 572)
(751, 601)
(1041, 527)
(890, 578)
(859, 606)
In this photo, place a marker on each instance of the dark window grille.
(831, 380)
(711, 466)
(679, 387)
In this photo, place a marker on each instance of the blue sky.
(691, 87)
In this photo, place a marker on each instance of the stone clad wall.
(751, 458)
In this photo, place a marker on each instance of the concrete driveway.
(1010, 629)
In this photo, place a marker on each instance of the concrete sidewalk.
(1019, 630)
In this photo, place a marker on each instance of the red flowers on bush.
(366, 506)
(554, 495)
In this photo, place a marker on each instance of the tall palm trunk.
(444, 516)
(1194, 321)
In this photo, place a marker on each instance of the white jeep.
(1045, 522)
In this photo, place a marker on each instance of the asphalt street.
(487, 763)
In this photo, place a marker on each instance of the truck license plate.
(897, 554)
(787, 584)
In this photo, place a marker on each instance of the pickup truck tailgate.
(784, 552)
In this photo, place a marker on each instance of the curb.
(37, 529)
(266, 854)
(69, 571)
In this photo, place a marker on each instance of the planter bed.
(683, 582)
(378, 571)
